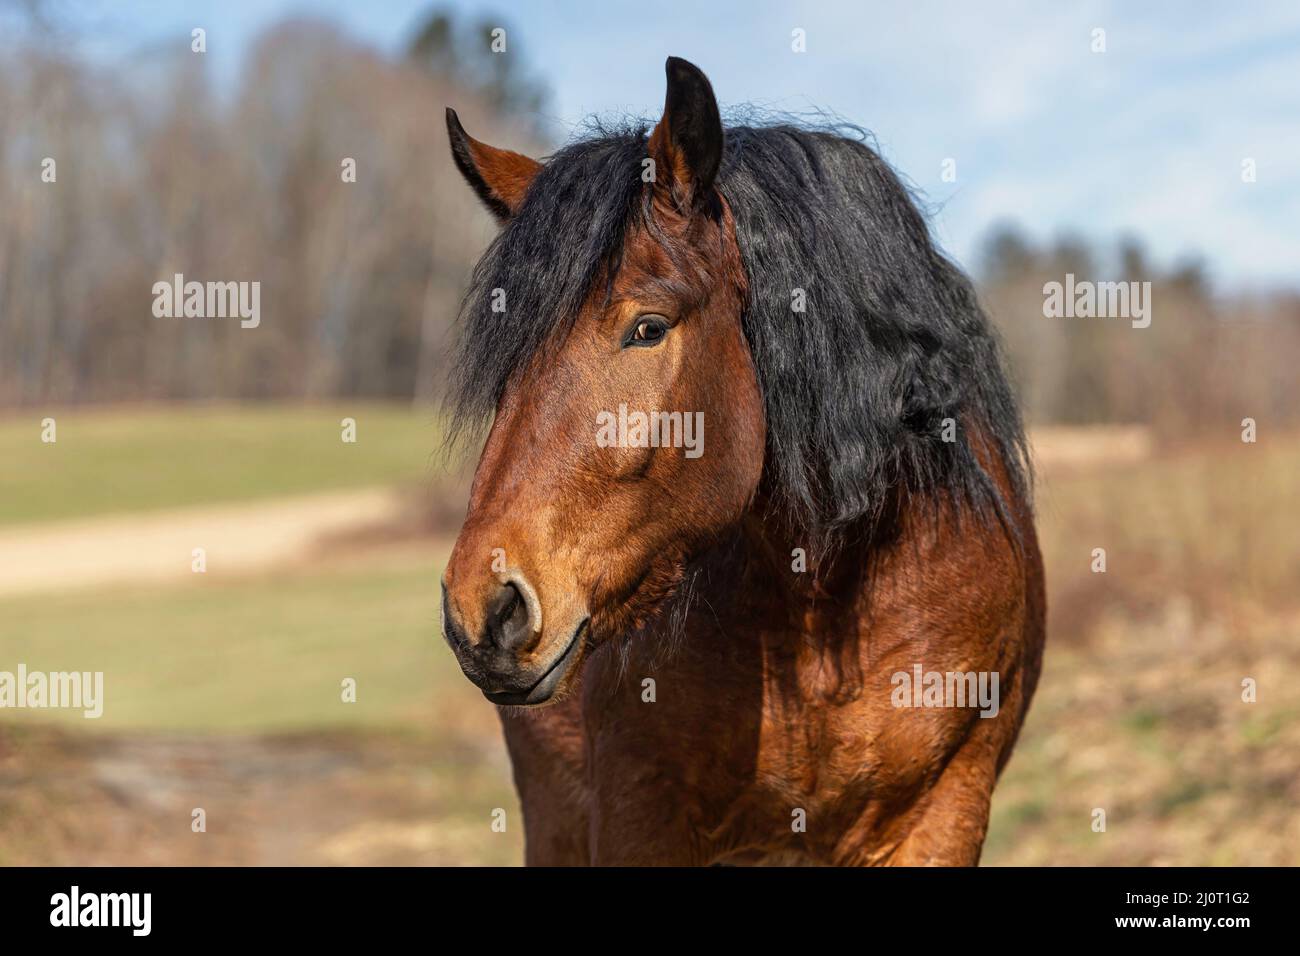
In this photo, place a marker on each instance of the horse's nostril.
(509, 623)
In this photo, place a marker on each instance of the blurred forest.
(159, 173)
(1206, 361)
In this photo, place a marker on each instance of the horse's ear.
(686, 146)
(499, 176)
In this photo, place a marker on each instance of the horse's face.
(625, 450)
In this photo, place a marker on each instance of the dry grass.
(1140, 711)
(320, 799)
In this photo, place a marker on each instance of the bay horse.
(704, 654)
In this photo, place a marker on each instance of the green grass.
(239, 663)
(139, 459)
(265, 654)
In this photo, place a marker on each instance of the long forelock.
(528, 288)
(891, 343)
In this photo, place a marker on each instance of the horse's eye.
(649, 330)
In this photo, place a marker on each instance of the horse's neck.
(771, 575)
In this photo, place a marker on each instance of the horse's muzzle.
(507, 661)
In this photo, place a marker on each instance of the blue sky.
(1145, 139)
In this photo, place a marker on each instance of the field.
(227, 695)
(1140, 710)
(223, 690)
(114, 462)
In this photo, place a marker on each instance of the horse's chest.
(743, 755)
(745, 793)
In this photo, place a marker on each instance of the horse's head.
(659, 325)
(629, 433)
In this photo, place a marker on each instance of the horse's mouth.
(546, 685)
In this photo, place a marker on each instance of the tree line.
(324, 176)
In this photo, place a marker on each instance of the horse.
(748, 645)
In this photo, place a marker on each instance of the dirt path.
(250, 536)
(158, 546)
(322, 799)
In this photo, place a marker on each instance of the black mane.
(892, 340)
